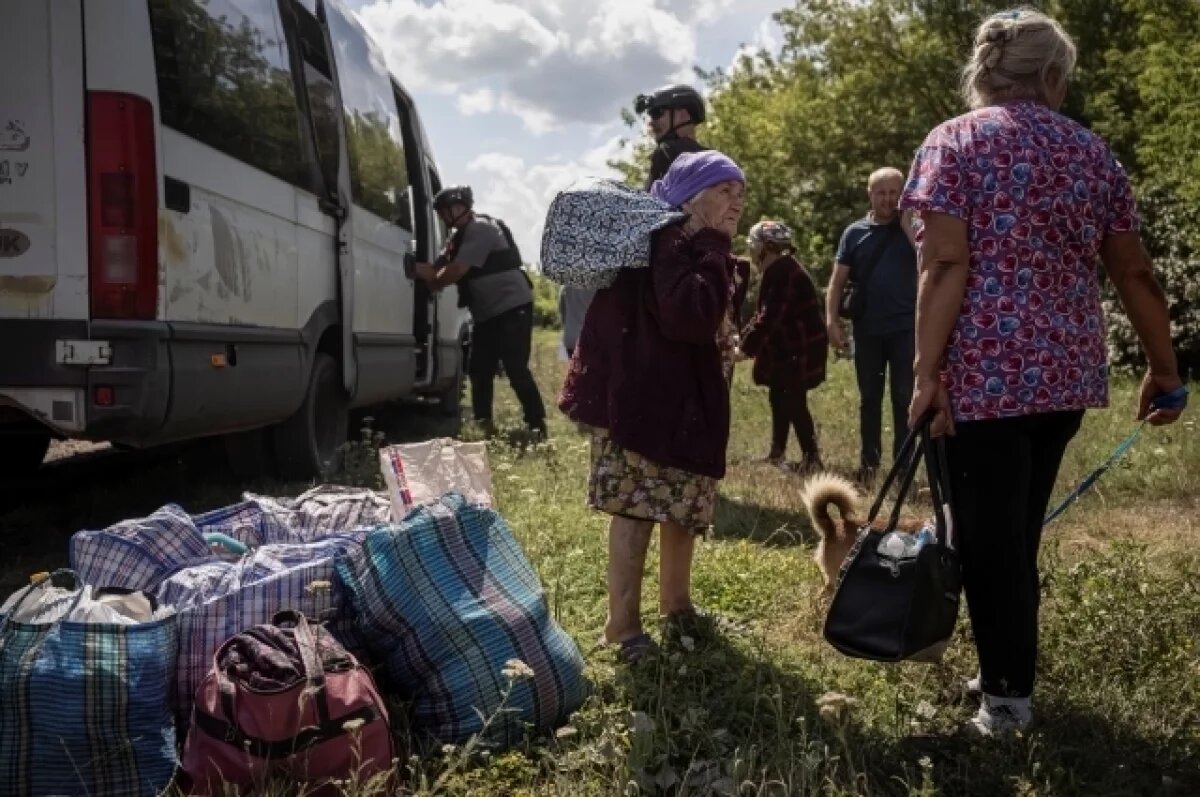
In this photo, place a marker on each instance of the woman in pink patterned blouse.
(1019, 205)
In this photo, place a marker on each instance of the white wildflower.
(517, 670)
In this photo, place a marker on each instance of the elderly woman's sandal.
(634, 649)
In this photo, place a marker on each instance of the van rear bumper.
(35, 386)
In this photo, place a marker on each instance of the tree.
(858, 84)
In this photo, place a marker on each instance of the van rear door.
(43, 191)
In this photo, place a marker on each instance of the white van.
(209, 210)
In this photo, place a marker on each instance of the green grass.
(1119, 695)
(763, 706)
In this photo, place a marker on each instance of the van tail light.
(122, 207)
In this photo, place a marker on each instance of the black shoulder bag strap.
(869, 266)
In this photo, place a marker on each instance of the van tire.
(23, 453)
(309, 443)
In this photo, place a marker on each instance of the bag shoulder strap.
(869, 265)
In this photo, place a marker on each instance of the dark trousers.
(1002, 473)
(789, 411)
(873, 355)
(506, 339)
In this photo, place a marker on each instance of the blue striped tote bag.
(446, 601)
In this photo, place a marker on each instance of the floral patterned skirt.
(627, 484)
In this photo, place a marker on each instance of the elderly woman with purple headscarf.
(649, 378)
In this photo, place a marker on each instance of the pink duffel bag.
(285, 700)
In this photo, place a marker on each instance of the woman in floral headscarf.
(787, 340)
(648, 377)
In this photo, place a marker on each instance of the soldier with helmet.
(673, 113)
(482, 259)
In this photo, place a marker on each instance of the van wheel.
(310, 441)
(250, 454)
(23, 453)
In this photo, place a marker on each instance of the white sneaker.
(1000, 716)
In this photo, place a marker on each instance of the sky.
(521, 97)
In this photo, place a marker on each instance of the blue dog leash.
(1176, 399)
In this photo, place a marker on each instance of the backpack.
(596, 227)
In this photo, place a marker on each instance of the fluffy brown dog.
(826, 490)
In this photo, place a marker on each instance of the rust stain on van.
(172, 244)
(39, 284)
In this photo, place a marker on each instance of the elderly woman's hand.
(930, 395)
(1152, 387)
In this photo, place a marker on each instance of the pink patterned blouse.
(1038, 193)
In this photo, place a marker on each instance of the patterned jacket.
(787, 336)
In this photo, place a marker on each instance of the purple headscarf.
(691, 173)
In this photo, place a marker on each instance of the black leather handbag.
(901, 608)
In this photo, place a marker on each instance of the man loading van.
(673, 113)
(482, 259)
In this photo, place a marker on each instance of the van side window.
(378, 172)
(322, 96)
(224, 79)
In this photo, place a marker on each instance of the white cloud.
(549, 62)
(476, 102)
(767, 36)
(519, 192)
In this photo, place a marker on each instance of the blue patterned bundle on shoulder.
(596, 227)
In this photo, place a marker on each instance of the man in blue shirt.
(878, 256)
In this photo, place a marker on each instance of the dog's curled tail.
(826, 490)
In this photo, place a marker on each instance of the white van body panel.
(248, 284)
(233, 258)
(43, 174)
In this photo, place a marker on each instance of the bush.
(1175, 247)
(545, 302)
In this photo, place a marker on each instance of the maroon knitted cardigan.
(647, 367)
(787, 336)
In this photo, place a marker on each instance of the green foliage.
(545, 301)
(858, 84)
(1173, 241)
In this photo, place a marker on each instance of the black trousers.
(873, 356)
(506, 339)
(789, 411)
(1002, 473)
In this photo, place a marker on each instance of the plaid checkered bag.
(444, 600)
(139, 554)
(83, 706)
(217, 600)
(324, 510)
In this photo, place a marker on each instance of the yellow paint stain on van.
(28, 285)
(172, 247)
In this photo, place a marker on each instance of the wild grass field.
(763, 706)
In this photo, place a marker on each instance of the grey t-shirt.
(891, 304)
(493, 294)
